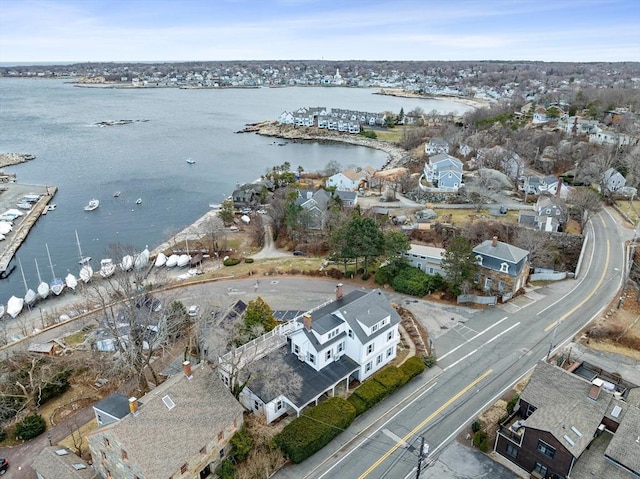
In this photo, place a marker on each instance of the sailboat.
(107, 267)
(86, 271)
(127, 263)
(43, 287)
(142, 259)
(57, 286)
(71, 281)
(161, 260)
(14, 306)
(30, 295)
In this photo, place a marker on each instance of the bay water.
(56, 121)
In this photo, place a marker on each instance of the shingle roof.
(115, 405)
(564, 407)
(203, 406)
(55, 466)
(502, 251)
(624, 448)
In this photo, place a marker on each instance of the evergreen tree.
(459, 264)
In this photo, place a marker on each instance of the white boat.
(51, 207)
(71, 281)
(2, 237)
(93, 204)
(5, 227)
(43, 287)
(127, 263)
(30, 295)
(86, 271)
(183, 260)
(24, 206)
(107, 268)
(172, 260)
(1, 310)
(57, 285)
(116, 194)
(161, 260)
(190, 161)
(139, 201)
(142, 259)
(14, 306)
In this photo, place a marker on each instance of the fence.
(472, 298)
(548, 276)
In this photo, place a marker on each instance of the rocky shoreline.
(475, 103)
(397, 156)
(8, 159)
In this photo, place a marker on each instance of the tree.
(332, 168)
(226, 211)
(395, 243)
(366, 239)
(583, 204)
(258, 313)
(459, 264)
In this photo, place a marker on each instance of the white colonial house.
(350, 180)
(436, 146)
(318, 353)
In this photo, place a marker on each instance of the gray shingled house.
(57, 462)
(501, 267)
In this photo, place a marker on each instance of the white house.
(321, 351)
(614, 180)
(425, 258)
(435, 146)
(350, 180)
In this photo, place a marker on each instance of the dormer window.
(504, 267)
(479, 259)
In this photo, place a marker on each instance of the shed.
(49, 348)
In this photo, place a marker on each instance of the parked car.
(298, 253)
(4, 465)
(193, 310)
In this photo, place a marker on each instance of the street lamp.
(49, 438)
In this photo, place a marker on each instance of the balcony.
(513, 428)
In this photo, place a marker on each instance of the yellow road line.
(423, 423)
(581, 303)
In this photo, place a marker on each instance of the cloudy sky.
(178, 30)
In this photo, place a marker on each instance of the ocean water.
(146, 159)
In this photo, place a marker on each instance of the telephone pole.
(424, 450)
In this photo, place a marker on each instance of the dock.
(10, 193)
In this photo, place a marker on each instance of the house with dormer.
(551, 213)
(614, 180)
(350, 180)
(444, 171)
(314, 205)
(501, 267)
(563, 421)
(182, 428)
(320, 352)
(436, 146)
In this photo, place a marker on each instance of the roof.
(564, 408)
(502, 251)
(183, 429)
(308, 383)
(624, 448)
(56, 462)
(429, 251)
(115, 405)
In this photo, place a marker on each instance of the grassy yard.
(393, 135)
(631, 209)
(458, 216)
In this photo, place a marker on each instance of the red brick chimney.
(306, 318)
(186, 369)
(559, 188)
(494, 241)
(339, 291)
(596, 387)
(133, 405)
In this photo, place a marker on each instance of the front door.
(206, 472)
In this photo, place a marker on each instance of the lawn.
(631, 209)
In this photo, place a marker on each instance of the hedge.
(306, 435)
(357, 403)
(412, 367)
(391, 378)
(371, 392)
(231, 261)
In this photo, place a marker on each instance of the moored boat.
(139, 201)
(161, 260)
(127, 263)
(86, 271)
(14, 306)
(71, 281)
(2, 310)
(43, 287)
(172, 260)
(56, 285)
(116, 194)
(30, 295)
(107, 268)
(142, 259)
(183, 260)
(190, 161)
(93, 204)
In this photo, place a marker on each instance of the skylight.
(62, 452)
(575, 429)
(168, 402)
(78, 466)
(616, 411)
(569, 440)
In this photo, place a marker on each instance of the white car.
(193, 310)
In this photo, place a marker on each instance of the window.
(378, 359)
(296, 349)
(367, 368)
(256, 406)
(279, 405)
(370, 348)
(389, 352)
(504, 268)
(104, 455)
(530, 410)
(374, 328)
(546, 449)
(540, 469)
(328, 355)
(389, 335)
(479, 259)
(220, 436)
(350, 333)
(221, 453)
(183, 468)
(106, 442)
(512, 450)
(341, 347)
(124, 454)
(99, 419)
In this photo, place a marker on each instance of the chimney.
(133, 406)
(494, 241)
(186, 369)
(596, 387)
(306, 318)
(339, 291)
(559, 188)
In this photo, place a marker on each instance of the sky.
(54, 31)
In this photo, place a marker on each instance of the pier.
(9, 196)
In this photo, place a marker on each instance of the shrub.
(368, 134)
(366, 276)
(226, 470)
(231, 261)
(248, 260)
(480, 441)
(391, 378)
(412, 367)
(56, 387)
(371, 393)
(309, 433)
(512, 403)
(242, 445)
(429, 361)
(358, 404)
(30, 427)
(3, 434)
(476, 426)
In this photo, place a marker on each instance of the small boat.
(142, 260)
(93, 204)
(24, 206)
(1, 310)
(116, 194)
(57, 285)
(30, 295)
(107, 268)
(51, 207)
(139, 201)
(215, 206)
(14, 306)
(43, 287)
(86, 271)
(183, 260)
(190, 161)
(161, 260)
(71, 281)
(127, 263)
(172, 260)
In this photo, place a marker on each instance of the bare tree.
(541, 248)
(583, 204)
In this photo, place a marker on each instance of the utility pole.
(423, 452)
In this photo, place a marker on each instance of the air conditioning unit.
(336, 358)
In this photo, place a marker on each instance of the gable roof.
(115, 405)
(56, 462)
(624, 446)
(184, 429)
(502, 251)
(563, 406)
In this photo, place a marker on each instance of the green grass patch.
(76, 338)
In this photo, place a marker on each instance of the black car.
(4, 465)
(298, 253)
